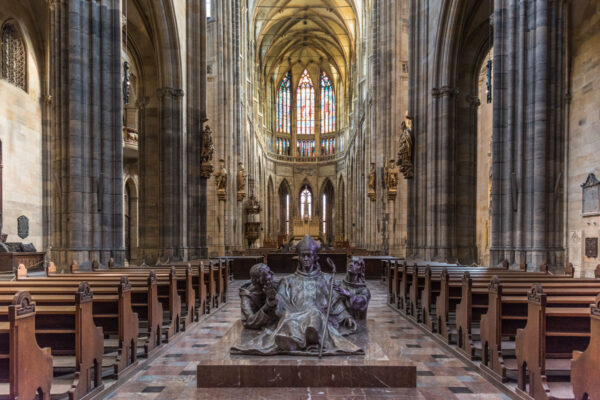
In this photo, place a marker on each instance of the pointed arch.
(327, 104)
(327, 201)
(13, 60)
(270, 208)
(306, 200)
(285, 210)
(305, 99)
(341, 213)
(284, 105)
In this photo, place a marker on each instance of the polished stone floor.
(440, 375)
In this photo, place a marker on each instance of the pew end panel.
(585, 370)
(24, 354)
(128, 330)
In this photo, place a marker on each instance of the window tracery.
(305, 203)
(305, 98)
(13, 56)
(284, 97)
(327, 105)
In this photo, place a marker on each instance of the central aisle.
(440, 375)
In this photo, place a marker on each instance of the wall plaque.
(23, 226)
(591, 247)
(591, 196)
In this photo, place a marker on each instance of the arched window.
(305, 203)
(284, 110)
(208, 8)
(14, 57)
(324, 213)
(305, 97)
(327, 105)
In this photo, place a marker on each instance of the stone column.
(87, 161)
(528, 139)
(196, 117)
(171, 175)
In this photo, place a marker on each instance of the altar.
(302, 227)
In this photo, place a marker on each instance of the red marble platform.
(379, 367)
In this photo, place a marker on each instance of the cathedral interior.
(178, 158)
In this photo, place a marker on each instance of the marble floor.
(439, 374)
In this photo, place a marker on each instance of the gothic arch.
(152, 38)
(131, 220)
(270, 209)
(327, 210)
(447, 152)
(341, 210)
(286, 207)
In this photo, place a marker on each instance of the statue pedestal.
(377, 368)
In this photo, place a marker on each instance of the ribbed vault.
(302, 32)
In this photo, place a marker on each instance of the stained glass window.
(284, 111)
(13, 58)
(305, 148)
(305, 203)
(305, 98)
(282, 146)
(327, 105)
(208, 8)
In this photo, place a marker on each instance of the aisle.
(440, 375)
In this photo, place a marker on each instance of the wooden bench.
(507, 312)
(168, 282)
(545, 346)
(112, 310)
(585, 366)
(26, 368)
(454, 303)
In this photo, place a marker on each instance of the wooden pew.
(26, 368)
(585, 366)
(545, 346)
(507, 312)
(112, 310)
(65, 324)
(167, 294)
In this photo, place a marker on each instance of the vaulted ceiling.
(291, 32)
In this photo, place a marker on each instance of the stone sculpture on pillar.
(221, 181)
(241, 182)
(207, 152)
(310, 314)
(406, 148)
(391, 179)
(372, 177)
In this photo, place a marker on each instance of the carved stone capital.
(449, 91)
(473, 101)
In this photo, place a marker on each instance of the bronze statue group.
(305, 313)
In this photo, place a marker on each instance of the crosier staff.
(324, 335)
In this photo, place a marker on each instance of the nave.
(440, 375)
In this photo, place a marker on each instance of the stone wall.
(22, 152)
(584, 133)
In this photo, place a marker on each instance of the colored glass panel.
(283, 105)
(327, 105)
(305, 97)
